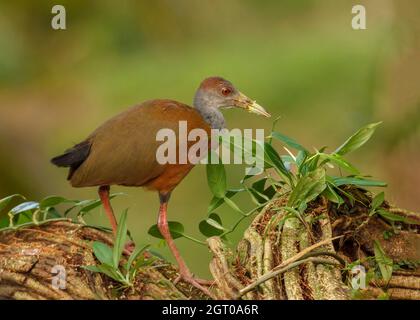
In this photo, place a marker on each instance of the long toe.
(204, 282)
(194, 283)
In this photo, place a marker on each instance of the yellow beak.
(256, 108)
(251, 105)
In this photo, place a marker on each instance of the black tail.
(73, 157)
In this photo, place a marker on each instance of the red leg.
(104, 196)
(185, 273)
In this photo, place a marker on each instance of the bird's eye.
(226, 91)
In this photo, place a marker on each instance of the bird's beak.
(250, 105)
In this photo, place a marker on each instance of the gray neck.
(209, 111)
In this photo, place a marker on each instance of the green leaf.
(308, 188)
(259, 185)
(233, 205)
(144, 262)
(301, 157)
(273, 159)
(133, 257)
(339, 181)
(103, 253)
(107, 270)
(378, 200)
(217, 202)
(259, 194)
(270, 192)
(288, 141)
(348, 195)
(385, 263)
(214, 222)
(85, 205)
(216, 179)
(6, 201)
(88, 205)
(395, 217)
(309, 165)
(258, 197)
(24, 217)
(358, 139)
(333, 196)
(212, 226)
(53, 213)
(26, 206)
(322, 150)
(52, 201)
(120, 239)
(176, 229)
(4, 221)
(339, 161)
(92, 268)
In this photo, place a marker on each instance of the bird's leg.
(104, 196)
(184, 272)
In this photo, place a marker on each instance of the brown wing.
(123, 149)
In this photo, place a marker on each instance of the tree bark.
(277, 258)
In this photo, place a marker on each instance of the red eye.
(226, 91)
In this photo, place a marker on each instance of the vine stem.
(244, 216)
(289, 264)
(272, 274)
(194, 239)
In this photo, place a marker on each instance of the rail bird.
(122, 151)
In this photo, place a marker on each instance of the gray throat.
(211, 114)
(213, 117)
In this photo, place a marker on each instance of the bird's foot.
(203, 282)
(198, 283)
(129, 248)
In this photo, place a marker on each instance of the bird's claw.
(205, 282)
(187, 277)
(196, 282)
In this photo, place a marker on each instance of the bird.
(122, 151)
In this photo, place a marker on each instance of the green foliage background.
(299, 59)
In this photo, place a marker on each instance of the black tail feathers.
(73, 157)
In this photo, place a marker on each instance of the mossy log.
(32, 257)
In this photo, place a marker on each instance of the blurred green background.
(299, 59)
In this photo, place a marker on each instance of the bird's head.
(216, 92)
